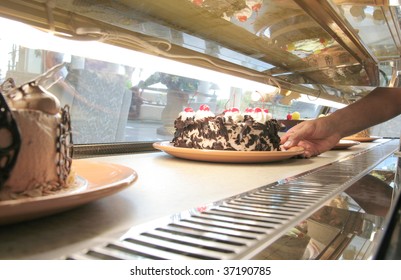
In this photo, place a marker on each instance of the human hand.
(315, 136)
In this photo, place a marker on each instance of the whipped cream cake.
(43, 159)
(252, 130)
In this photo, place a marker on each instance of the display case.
(308, 216)
(129, 67)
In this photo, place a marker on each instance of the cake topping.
(204, 107)
(233, 115)
(203, 112)
(32, 95)
(187, 113)
(259, 115)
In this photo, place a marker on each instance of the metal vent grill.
(240, 227)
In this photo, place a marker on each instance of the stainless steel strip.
(198, 242)
(206, 235)
(150, 252)
(184, 249)
(211, 229)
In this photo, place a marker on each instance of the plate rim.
(362, 139)
(345, 143)
(167, 146)
(10, 213)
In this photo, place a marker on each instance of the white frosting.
(186, 115)
(235, 116)
(201, 114)
(259, 115)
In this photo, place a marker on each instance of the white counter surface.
(165, 186)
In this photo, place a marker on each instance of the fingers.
(289, 143)
(291, 139)
(309, 149)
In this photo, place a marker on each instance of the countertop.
(165, 186)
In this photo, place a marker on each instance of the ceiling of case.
(319, 47)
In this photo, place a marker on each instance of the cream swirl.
(259, 115)
(188, 113)
(203, 112)
(233, 115)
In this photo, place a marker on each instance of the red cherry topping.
(248, 110)
(258, 110)
(289, 116)
(234, 109)
(266, 111)
(198, 2)
(256, 7)
(188, 109)
(242, 18)
(204, 107)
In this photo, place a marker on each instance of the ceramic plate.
(95, 180)
(345, 144)
(363, 139)
(226, 156)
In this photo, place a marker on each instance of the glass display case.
(286, 56)
(129, 67)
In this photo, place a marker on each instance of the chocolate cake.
(36, 142)
(254, 130)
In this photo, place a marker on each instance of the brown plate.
(345, 144)
(362, 139)
(226, 156)
(95, 180)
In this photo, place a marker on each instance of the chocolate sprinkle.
(216, 134)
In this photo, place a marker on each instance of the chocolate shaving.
(9, 153)
(64, 145)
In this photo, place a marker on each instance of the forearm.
(378, 106)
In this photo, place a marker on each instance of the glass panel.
(372, 27)
(271, 36)
(99, 83)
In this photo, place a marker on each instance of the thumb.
(290, 140)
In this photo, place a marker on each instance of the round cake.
(40, 161)
(253, 130)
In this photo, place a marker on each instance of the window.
(118, 95)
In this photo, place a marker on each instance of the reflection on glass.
(118, 95)
(370, 24)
